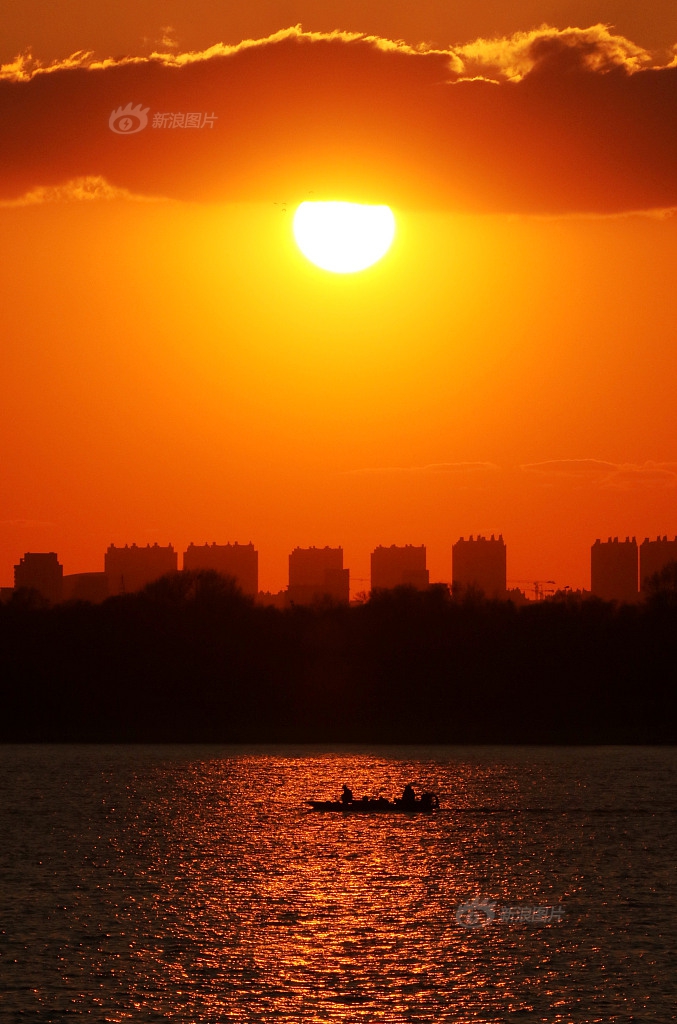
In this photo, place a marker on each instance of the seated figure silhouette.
(346, 795)
(408, 796)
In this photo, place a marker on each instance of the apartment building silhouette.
(131, 568)
(41, 571)
(241, 561)
(399, 567)
(317, 574)
(479, 563)
(613, 569)
(654, 555)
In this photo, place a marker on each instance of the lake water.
(190, 884)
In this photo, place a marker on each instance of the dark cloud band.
(547, 123)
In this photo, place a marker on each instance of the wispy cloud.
(593, 468)
(431, 468)
(168, 39)
(25, 66)
(506, 58)
(606, 474)
(87, 189)
(650, 474)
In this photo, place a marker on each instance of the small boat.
(425, 804)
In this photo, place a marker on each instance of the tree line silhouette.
(191, 659)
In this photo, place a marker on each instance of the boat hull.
(368, 807)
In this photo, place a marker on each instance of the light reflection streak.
(202, 890)
(354, 916)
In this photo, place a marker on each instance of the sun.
(343, 237)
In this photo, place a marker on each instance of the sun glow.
(343, 237)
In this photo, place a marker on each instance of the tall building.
(480, 563)
(131, 568)
(41, 571)
(241, 561)
(654, 555)
(613, 569)
(399, 567)
(316, 574)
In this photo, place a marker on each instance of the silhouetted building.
(85, 586)
(6, 594)
(241, 561)
(399, 567)
(40, 571)
(131, 568)
(613, 569)
(654, 555)
(480, 564)
(316, 574)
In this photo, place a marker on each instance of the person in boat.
(346, 795)
(408, 798)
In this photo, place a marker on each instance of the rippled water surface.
(191, 884)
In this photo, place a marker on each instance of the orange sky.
(173, 368)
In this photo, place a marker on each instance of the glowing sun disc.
(343, 237)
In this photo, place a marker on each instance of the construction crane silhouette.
(537, 587)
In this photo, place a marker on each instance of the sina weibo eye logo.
(128, 120)
(476, 914)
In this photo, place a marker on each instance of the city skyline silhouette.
(620, 570)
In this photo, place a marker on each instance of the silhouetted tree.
(201, 586)
(661, 588)
(28, 599)
(192, 659)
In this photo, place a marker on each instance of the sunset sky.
(174, 370)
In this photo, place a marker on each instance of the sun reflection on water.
(204, 890)
(288, 911)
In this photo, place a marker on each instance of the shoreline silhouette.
(192, 659)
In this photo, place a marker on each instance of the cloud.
(432, 467)
(548, 50)
(508, 58)
(168, 38)
(88, 189)
(650, 474)
(622, 476)
(25, 66)
(548, 122)
(576, 468)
